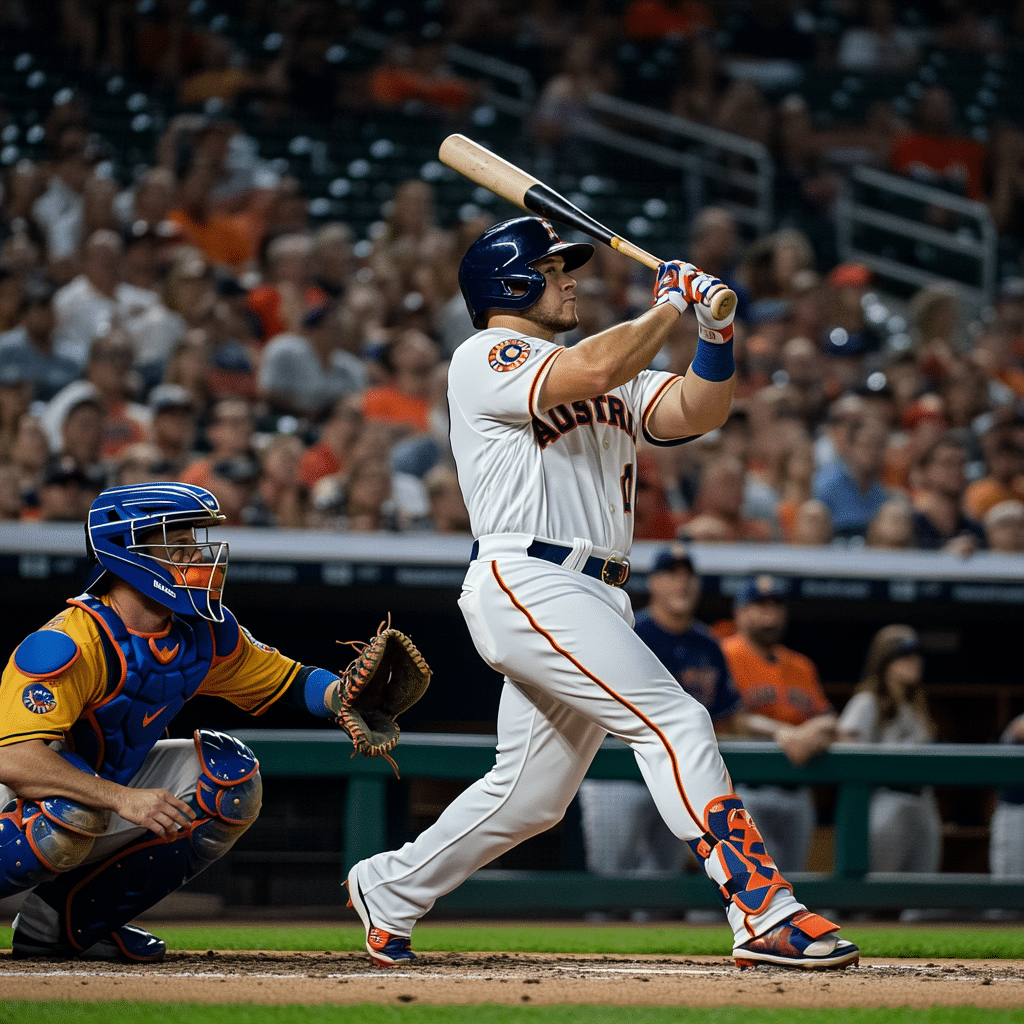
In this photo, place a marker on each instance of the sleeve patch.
(45, 653)
(508, 355)
(38, 699)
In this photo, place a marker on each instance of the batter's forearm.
(705, 404)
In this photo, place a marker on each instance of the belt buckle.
(614, 572)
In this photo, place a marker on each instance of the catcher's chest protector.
(149, 680)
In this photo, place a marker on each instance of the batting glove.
(668, 286)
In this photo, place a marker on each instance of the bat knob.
(722, 303)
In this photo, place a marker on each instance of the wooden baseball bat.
(509, 182)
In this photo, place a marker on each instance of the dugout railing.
(854, 769)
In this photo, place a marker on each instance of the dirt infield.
(517, 978)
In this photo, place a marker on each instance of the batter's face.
(555, 310)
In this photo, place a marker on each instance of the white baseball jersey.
(565, 473)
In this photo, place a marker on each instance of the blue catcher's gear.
(502, 259)
(127, 533)
(95, 901)
(41, 839)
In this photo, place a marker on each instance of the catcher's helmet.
(126, 532)
(504, 256)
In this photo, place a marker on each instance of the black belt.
(612, 571)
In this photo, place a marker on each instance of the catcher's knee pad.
(42, 839)
(734, 856)
(94, 900)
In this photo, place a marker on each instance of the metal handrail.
(850, 213)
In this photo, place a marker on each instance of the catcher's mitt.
(387, 678)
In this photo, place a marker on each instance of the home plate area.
(442, 978)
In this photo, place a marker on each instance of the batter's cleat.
(385, 949)
(127, 944)
(806, 941)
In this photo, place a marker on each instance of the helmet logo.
(549, 229)
(508, 355)
(166, 590)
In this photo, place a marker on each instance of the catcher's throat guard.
(386, 678)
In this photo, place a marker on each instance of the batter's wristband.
(714, 360)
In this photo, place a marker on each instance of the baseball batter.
(545, 441)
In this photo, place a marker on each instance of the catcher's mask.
(497, 271)
(127, 533)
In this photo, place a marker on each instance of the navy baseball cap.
(762, 587)
(670, 557)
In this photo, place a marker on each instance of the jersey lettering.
(564, 421)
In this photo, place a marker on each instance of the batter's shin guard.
(94, 900)
(40, 840)
(733, 856)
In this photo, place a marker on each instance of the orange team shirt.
(652, 19)
(316, 462)
(956, 158)
(220, 239)
(986, 493)
(786, 690)
(388, 403)
(265, 302)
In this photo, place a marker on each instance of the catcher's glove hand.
(387, 678)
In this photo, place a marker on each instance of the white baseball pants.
(574, 672)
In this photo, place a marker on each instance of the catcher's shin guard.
(93, 901)
(41, 839)
(734, 857)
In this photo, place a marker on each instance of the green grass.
(489, 1013)
(959, 942)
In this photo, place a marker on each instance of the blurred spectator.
(230, 358)
(892, 526)
(222, 76)
(12, 293)
(189, 366)
(881, 45)
(233, 481)
(416, 71)
(699, 81)
(1004, 527)
(562, 110)
(1004, 481)
(939, 484)
(1006, 187)
(794, 472)
(935, 152)
(661, 19)
(149, 202)
(302, 373)
(889, 706)
(73, 424)
(331, 453)
(186, 300)
(140, 463)
(783, 700)
(28, 351)
(833, 441)
(216, 234)
(28, 454)
(360, 503)
(404, 400)
(142, 257)
(812, 524)
(332, 258)
(109, 370)
(58, 211)
(850, 487)
(67, 490)
(98, 205)
(167, 47)
(229, 434)
(279, 498)
(418, 453)
(717, 508)
(771, 31)
(97, 299)
(290, 293)
(802, 364)
(173, 425)
(10, 493)
(743, 110)
(448, 513)
(653, 518)
(1006, 844)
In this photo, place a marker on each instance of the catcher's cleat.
(806, 941)
(128, 944)
(385, 949)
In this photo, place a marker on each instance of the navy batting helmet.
(127, 534)
(503, 257)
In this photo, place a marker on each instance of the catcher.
(99, 816)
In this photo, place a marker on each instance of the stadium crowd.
(197, 323)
